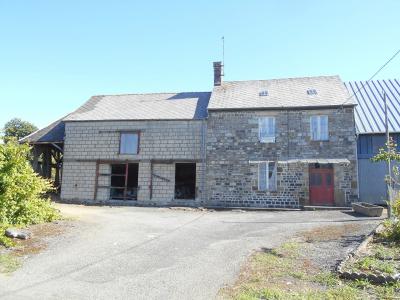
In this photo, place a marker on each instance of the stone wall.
(232, 146)
(161, 141)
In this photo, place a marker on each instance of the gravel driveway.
(158, 253)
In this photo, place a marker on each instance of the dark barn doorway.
(185, 181)
(124, 181)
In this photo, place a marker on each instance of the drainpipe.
(357, 173)
(203, 160)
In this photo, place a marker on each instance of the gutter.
(281, 108)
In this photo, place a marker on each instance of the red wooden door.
(321, 186)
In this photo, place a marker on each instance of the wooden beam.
(96, 182)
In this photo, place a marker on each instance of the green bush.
(391, 231)
(23, 197)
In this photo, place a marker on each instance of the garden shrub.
(391, 230)
(23, 193)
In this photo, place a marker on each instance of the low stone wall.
(378, 279)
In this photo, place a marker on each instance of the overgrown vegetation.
(23, 194)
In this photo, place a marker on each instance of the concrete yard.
(157, 253)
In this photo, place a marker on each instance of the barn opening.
(185, 181)
(124, 181)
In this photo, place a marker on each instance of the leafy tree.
(389, 153)
(17, 128)
(23, 198)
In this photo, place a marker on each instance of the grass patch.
(9, 263)
(387, 251)
(379, 258)
(10, 259)
(287, 273)
(326, 279)
(374, 265)
(343, 293)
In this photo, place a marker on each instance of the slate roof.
(157, 106)
(53, 133)
(290, 92)
(369, 113)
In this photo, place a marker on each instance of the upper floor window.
(129, 143)
(312, 92)
(267, 176)
(266, 130)
(319, 128)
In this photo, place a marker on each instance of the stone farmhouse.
(259, 143)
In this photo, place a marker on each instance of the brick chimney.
(218, 73)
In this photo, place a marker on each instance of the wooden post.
(46, 162)
(57, 168)
(35, 158)
(96, 182)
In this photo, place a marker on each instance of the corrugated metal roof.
(370, 111)
(276, 93)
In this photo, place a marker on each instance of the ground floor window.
(185, 181)
(124, 181)
(267, 176)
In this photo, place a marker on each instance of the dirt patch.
(185, 208)
(328, 233)
(11, 258)
(40, 235)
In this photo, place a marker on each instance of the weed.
(386, 252)
(289, 249)
(361, 284)
(326, 279)
(370, 263)
(344, 293)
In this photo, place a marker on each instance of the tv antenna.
(223, 55)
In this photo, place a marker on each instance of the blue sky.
(55, 54)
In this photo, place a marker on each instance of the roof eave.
(133, 120)
(283, 107)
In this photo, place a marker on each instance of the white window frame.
(267, 179)
(268, 138)
(319, 136)
(121, 148)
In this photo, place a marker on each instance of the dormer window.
(263, 93)
(311, 92)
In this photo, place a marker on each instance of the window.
(266, 130)
(267, 176)
(365, 149)
(311, 92)
(129, 143)
(319, 128)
